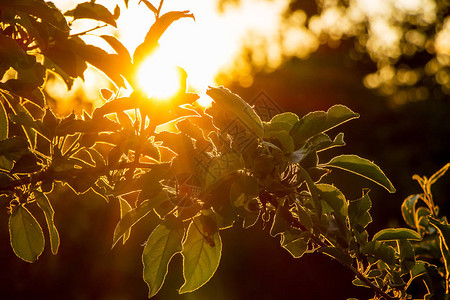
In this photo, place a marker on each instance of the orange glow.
(158, 77)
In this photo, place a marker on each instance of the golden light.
(159, 77)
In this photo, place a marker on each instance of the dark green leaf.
(313, 191)
(46, 206)
(362, 167)
(162, 244)
(91, 10)
(27, 163)
(200, 258)
(304, 217)
(320, 121)
(379, 250)
(4, 126)
(27, 239)
(281, 220)
(358, 212)
(391, 234)
(407, 255)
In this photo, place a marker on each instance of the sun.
(159, 77)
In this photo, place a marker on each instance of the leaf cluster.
(216, 168)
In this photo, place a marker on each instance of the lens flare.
(159, 77)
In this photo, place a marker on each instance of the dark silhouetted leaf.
(91, 10)
(156, 31)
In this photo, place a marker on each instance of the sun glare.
(158, 77)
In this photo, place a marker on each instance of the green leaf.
(312, 190)
(282, 138)
(407, 255)
(391, 234)
(444, 243)
(281, 220)
(409, 209)
(27, 239)
(361, 167)
(131, 218)
(92, 10)
(200, 258)
(379, 250)
(236, 106)
(4, 126)
(287, 118)
(295, 242)
(320, 121)
(125, 207)
(162, 244)
(358, 212)
(304, 217)
(46, 206)
(221, 167)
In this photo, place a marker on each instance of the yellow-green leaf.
(236, 106)
(27, 239)
(162, 244)
(201, 257)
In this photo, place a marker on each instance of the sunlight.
(159, 77)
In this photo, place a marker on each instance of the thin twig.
(89, 30)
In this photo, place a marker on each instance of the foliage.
(223, 166)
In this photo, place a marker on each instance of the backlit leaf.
(361, 167)
(409, 209)
(295, 241)
(46, 206)
(27, 239)
(162, 244)
(320, 121)
(131, 218)
(125, 207)
(236, 106)
(379, 250)
(391, 234)
(200, 258)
